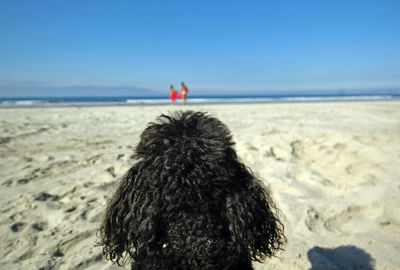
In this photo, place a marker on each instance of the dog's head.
(183, 131)
(185, 140)
(194, 148)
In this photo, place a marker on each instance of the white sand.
(334, 169)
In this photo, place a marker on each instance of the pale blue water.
(227, 99)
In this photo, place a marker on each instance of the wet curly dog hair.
(189, 203)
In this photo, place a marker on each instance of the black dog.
(189, 203)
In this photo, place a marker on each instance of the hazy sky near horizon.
(214, 46)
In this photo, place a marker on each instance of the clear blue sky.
(236, 47)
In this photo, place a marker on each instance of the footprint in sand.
(252, 148)
(297, 150)
(43, 196)
(271, 153)
(18, 226)
(360, 217)
(71, 209)
(84, 215)
(30, 251)
(339, 146)
(8, 183)
(312, 220)
(5, 140)
(74, 242)
(111, 170)
(23, 181)
(84, 264)
(58, 253)
(40, 226)
(95, 159)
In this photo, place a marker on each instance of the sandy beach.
(333, 168)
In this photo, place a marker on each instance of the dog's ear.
(131, 221)
(253, 220)
(115, 231)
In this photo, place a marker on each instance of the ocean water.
(143, 101)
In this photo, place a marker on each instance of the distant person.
(173, 94)
(183, 93)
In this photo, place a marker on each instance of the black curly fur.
(189, 203)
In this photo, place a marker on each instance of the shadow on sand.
(343, 258)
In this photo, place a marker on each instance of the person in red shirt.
(173, 94)
(183, 93)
